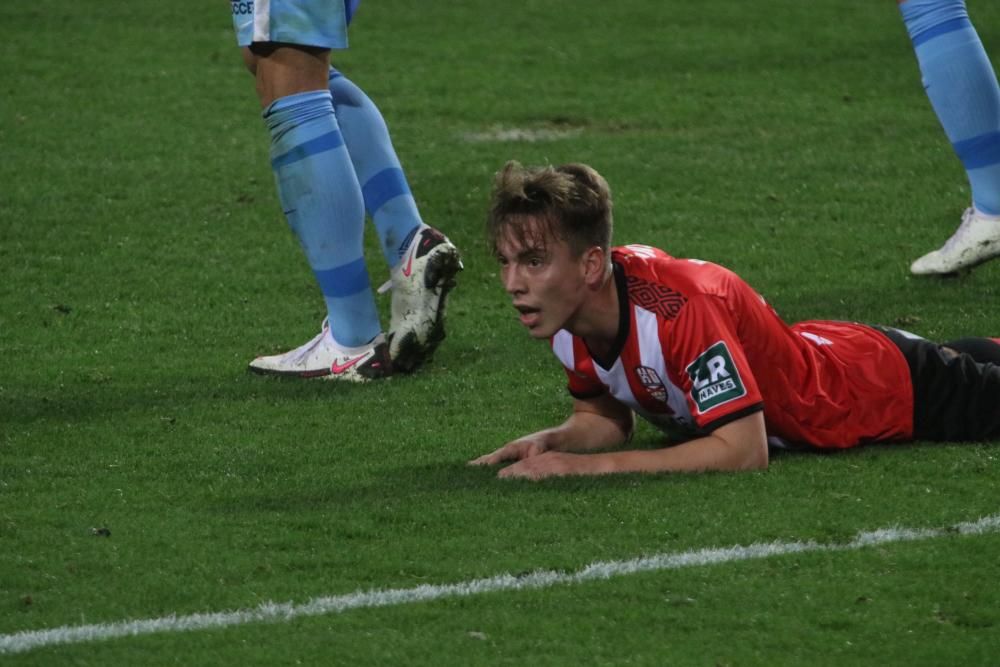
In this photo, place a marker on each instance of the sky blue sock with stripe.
(383, 184)
(321, 198)
(962, 88)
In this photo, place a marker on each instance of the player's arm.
(595, 423)
(738, 445)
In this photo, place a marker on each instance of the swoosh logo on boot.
(337, 369)
(409, 264)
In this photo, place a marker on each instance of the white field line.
(526, 134)
(271, 612)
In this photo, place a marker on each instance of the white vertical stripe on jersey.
(262, 21)
(562, 345)
(651, 356)
(617, 384)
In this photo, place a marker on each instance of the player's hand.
(548, 464)
(522, 448)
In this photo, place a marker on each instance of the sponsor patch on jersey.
(714, 378)
(650, 379)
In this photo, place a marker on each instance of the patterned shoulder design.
(643, 288)
(655, 298)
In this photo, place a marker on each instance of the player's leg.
(955, 397)
(962, 87)
(422, 261)
(321, 198)
(982, 350)
(386, 191)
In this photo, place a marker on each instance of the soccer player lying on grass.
(688, 342)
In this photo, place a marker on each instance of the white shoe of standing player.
(977, 240)
(420, 285)
(322, 357)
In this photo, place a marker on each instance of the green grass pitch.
(144, 262)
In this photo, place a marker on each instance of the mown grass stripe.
(277, 612)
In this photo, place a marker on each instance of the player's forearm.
(703, 454)
(585, 431)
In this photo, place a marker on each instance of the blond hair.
(572, 202)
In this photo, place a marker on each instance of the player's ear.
(595, 265)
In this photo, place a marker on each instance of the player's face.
(544, 280)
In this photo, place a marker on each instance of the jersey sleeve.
(582, 387)
(706, 360)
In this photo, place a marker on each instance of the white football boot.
(977, 240)
(420, 284)
(324, 358)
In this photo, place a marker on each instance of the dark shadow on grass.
(450, 483)
(447, 482)
(82, 402)
(85, 396)
(865, 450)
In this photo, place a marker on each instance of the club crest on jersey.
(650, 379)
(714, 378)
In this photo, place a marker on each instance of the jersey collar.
(624, 320)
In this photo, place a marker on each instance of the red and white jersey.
(699, 347)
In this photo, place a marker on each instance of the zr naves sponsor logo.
(714, 378)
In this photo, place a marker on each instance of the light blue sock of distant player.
(384, 186)
(963, 90)
(321, 198)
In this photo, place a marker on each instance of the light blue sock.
(386, 192)
(963, 90)
(321, 198)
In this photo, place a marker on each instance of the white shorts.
(321, 23)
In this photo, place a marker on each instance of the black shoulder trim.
(731, 417)
(584, 395)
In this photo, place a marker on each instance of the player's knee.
(344, 91)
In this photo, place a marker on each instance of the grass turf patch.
(144, 262)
